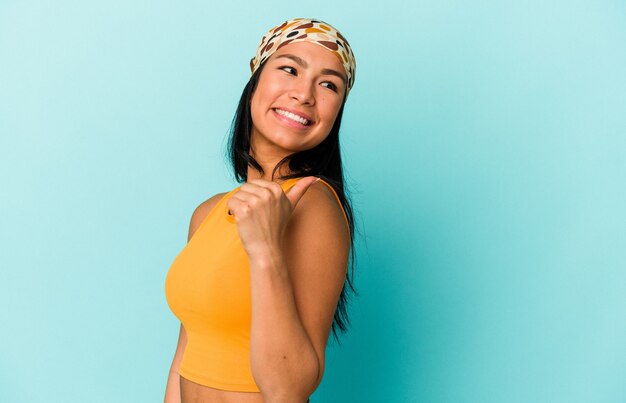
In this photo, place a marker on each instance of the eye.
(330, 85)
(289, 70)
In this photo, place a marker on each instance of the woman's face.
(297, 98)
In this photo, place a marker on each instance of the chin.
(285, 142)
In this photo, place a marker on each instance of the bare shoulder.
(202, 211)
(320, 204)
(318, 222)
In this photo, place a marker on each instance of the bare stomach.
(191, 392)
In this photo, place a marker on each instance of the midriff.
(192, 392)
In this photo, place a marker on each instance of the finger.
(251, 186)
(247, 197)
(237, 207)
(273, 187)
(239, 199)
(299, 189)
(260, 182)
(261, 190)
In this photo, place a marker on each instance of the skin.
(297, 242)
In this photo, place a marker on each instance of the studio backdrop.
(484, 147)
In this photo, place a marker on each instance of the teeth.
(292, 116)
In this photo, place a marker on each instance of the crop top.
(208, 289)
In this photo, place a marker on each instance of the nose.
(303, 92)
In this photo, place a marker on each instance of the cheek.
(331, 110)
(253, 108)
(263, 98)
(256, 105)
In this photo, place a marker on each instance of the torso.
(192, 392)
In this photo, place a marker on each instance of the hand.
(262, 211)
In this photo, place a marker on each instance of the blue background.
(484, 143)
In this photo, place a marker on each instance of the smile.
(293, 116)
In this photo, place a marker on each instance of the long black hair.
(323, 160)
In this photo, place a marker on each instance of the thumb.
(299, 189)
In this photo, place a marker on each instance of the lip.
(295, 112)
(290, 123)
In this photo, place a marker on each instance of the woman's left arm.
(298, 261)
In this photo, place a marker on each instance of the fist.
(262, 210)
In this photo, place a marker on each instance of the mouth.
(293, 117)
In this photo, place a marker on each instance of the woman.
(262, 280)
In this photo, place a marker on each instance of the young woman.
(264, 276)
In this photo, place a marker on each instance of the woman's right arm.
(172, 390)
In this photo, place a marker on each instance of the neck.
(268, 163)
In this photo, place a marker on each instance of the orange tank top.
(208, 289)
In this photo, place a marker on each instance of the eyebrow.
(304, 64)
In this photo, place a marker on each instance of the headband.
(307, 30)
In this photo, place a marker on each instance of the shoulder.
(322, 196)
(319, 212)
(200, 213)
